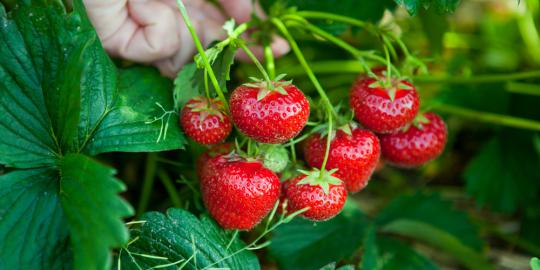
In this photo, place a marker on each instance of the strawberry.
(269, 115)
(353, 151)
(238, 192)
(204, 120)
(323, 196)
(416, 144)
(383, 108)
(213, 151)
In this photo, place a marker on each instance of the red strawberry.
(417, 144)
(383, 109)
(355, 156)
(269, 116)
(205, 121)
(324, 196)
(238, 193)
(213, 151)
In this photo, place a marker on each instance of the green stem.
(401, 45)
(388, 64)
(149, 176)
(329, 108)
(206, 88)
(523, 88)
(294, 46)
(293, 152)
(334, 17)
(328, 142)
(478, 79)
(256, 62)
(492, 118)
(201, 51)
(338, 42)
(250, 147)
(351, 66)
(169, 186)
(527, 28)
(269, 58)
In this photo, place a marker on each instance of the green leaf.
(190, 81)
(27, 139)
(332, 266)
(430, 209)
(504, 174)
(125, 127)
(396, 255)
(93, 210)
(187, 85)
(440, 239)
(442, 6)
(303, 244)
(181, 237)
(370, 256)
(32, 224)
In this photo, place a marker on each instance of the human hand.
(153, 32)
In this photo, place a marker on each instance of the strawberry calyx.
(267, 87)
(235, 156)
(206, 108)
(419, 121)
(322, 178)
(390, 86)
(346, 128)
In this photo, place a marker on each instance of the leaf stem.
(269, 59)
(338, 18)
(492, 118)
(352, 66)
(338, 42)
(329, 108)
(327, 150)
(293, 151)
(148, 184)
(201, 51)
(479, 79)
(256, 62)
(294, 46)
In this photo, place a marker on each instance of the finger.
(107, 16)
(198, 10)
(153, 36)
(241, 10)
(207, 21)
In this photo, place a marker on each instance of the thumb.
(241, 10)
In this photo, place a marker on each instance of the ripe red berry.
(383, 109)
(324, 197)
(213, 151)
(355, 155)
(205, 121)
(238, 193)
(417, 144)
(269, 116)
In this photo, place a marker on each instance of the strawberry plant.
(394, 135)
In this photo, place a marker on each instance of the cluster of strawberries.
(239, 190)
